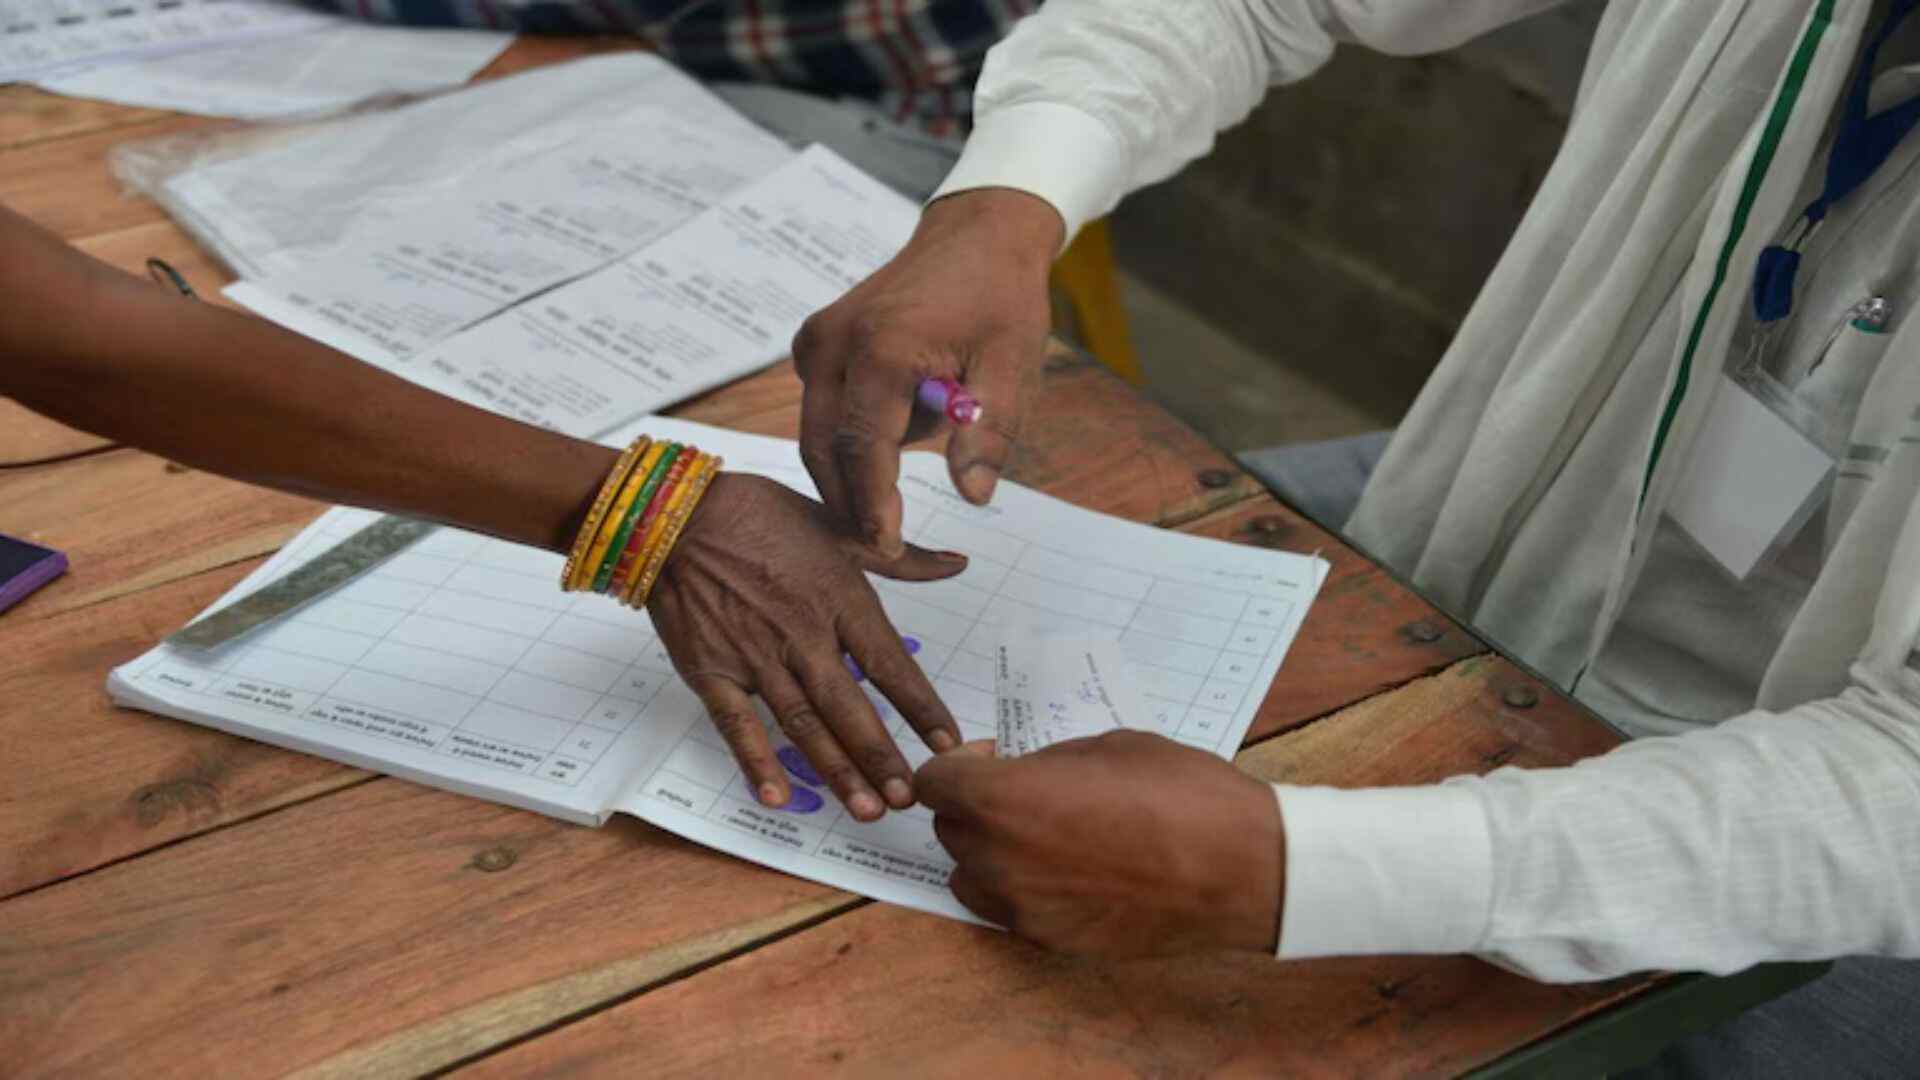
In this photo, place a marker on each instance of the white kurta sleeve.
(1088, 100)
(1785, 836)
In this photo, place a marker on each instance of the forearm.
(1089, 100)
(1789, 836)
(112, 354)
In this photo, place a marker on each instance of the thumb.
(915, 563)
(949, 783)
(978, 452)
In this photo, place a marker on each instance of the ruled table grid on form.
(460, 645)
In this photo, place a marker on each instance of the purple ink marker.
(797, 764)
(950, 399)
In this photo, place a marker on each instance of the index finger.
(821, 374)
(875, 413)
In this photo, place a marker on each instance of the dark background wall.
(1342, 232)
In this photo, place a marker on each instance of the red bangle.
(675, 473)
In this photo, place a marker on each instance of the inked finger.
(856, 726)
(794, 711)
(874, 645)
(731, 710)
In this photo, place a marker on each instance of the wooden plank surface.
(92, 784)
(355, 918)
(29, 115)
(885, 992)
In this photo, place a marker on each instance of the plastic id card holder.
(25, 567)
(1753, 483)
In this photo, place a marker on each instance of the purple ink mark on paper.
(912, 643)
(798, 765)
(853, 669)
(804, 800)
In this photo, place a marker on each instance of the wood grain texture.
(30, 115)
(90, 783)
(886, 992)
(130, 521)
(401, 927)
(25, 435)
(129, 249)
(65, 186)
(1366, 633)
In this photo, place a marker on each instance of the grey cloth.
(1862, 1019)
(1322, 480)
(902, 156)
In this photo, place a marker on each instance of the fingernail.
(976, 483)
(770, 794)
(942, 740)
(950, 556)
(899, 793)
(865, 806)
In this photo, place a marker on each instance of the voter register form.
(459, 663)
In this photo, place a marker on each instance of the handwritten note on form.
(1051, 688)
(459, 664)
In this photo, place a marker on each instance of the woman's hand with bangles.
(762, 594)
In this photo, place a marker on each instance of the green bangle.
(604, 575)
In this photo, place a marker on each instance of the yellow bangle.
(676, 500)
(657, 558)
(597, 514)
(603, 538)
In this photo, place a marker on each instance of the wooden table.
(174, 898)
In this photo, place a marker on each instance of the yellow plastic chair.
(1084, 280)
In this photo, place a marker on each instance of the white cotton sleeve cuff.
(1057, 152)
(1374, 871)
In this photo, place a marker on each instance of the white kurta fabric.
(1524, 488)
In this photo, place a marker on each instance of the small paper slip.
(1052, 689)
(1750, 478)
(459, 663)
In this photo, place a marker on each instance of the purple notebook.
(25, 567)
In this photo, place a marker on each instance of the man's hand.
(1123, 845)
(762, 595)
(965, 299)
